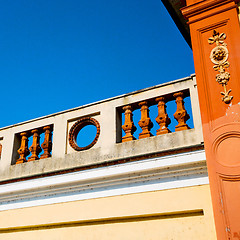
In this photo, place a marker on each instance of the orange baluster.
(47, 144)
(128, 126)
(23, 150)
(145, 123)
(35, 148)
(162, 119)
(181, 114)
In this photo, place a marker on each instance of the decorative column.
(162, 119)
(145, 122)
(128, 126)
(35, 149)
(215, 34)
(181, 114)
(23, 150)
(47, 144)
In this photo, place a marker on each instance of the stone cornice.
(180, 170)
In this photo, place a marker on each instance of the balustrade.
(35, 148)
(162, 119)
(144, 114)
(161, 123)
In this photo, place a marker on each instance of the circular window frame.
(77, 127)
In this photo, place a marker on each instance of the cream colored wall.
(183, 213)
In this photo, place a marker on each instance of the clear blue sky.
(60, 54)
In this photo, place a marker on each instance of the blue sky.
(60, 54)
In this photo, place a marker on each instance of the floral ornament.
(217, 38)
(219, 56)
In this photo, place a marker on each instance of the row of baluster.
(129, 128)
(162, 119)
(35, 149)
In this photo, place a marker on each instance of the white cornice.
(180, 170)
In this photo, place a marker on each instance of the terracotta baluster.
(35, 149)
(162, 119)
(23, 150)
(181, 114)
(145, 122)
(47, 144)
(128, 126)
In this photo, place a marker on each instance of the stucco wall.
(184, 213)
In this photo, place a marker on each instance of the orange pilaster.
(215, 34)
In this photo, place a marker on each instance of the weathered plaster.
(184, 213)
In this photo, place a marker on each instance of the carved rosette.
(162, 119)
(145, 122)
(128, 127)
(219, 56)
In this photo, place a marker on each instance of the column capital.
(198, 9)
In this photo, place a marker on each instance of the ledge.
(166, 144)
(179, 170)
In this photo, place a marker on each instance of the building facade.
(180, 181)
(154, 186)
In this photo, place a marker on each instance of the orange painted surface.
(221, 121)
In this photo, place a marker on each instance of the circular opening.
(84, 132)
(86, 135)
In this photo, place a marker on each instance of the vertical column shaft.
(215, 34)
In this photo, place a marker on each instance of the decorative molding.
(203, 6)
(175, 171)
(203, 9)
(232, 140)
(219, 56)
(212, 14)
(76, 128)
